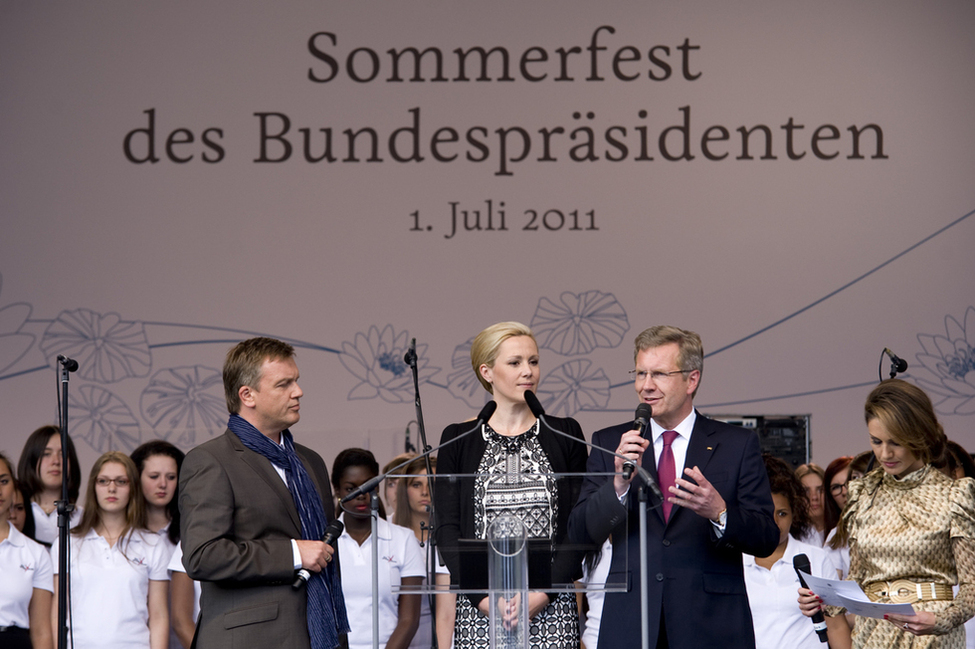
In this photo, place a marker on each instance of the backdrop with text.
(792, 181)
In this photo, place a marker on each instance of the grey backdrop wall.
(793, 181)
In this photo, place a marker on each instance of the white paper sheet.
(848, 594)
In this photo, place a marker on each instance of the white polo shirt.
(773, 597)
(176, 565)
(110, 590)
(399, 556)
(841, 557)
(598, 576)
(46, 525)
(24, 566)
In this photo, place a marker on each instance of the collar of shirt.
(679, 447)
(382, 529)
(134, 536)
(792, 548)
(15, 537)
(277, 469)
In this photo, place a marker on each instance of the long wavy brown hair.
(135, 509)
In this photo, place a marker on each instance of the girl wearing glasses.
(119, 585)
(838, 479)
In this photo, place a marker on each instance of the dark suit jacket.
(237, 522)
(455, 504)
(695, 578)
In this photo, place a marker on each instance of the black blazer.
(454, 499)
(696, 580)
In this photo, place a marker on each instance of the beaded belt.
(905, 591)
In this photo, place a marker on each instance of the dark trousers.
(13, 637)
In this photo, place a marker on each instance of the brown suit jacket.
(237, 523)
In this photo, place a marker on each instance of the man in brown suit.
(242, 534)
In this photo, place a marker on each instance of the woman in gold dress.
(911, 529)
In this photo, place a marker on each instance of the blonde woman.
(506, 361)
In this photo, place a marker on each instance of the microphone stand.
(647, 481)
(374, 522)
(372, 483)
(64, 507)
(371, 486)
(431, 550)
(641, 491)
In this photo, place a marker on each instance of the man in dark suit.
(717, 508)
(253, 507)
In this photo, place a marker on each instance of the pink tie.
(666, 472)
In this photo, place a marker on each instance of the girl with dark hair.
(158, 463)
(960, 462)
(837, 490)
(21, 513)
(771, 581)
(911, 529)
(41, 473)
(119, 586)
(26, 575)
(837, 481)
(401, 563)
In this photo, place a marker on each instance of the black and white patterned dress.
(514, 477)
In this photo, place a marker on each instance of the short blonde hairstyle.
(484, 349)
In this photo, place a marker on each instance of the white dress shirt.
(679, 445)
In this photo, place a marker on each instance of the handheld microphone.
(71, 364)
(801, 562)
(641, 420)
(899, 364)
(332, 532)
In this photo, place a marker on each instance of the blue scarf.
(326, 605)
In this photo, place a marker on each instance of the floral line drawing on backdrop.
(184, 403)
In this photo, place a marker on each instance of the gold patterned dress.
(920, 528)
